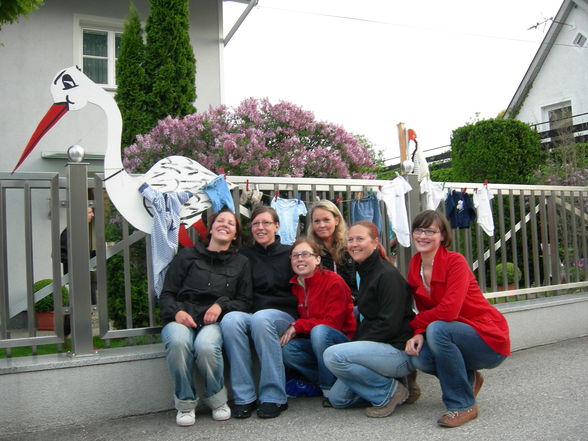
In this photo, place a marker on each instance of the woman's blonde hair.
(339, 235)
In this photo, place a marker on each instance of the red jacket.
(324, 300)
(456, 296)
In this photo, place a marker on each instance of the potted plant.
(44, 313)
(511, 269)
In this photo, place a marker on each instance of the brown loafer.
(400, 395)
(457, 418)
(414, 391)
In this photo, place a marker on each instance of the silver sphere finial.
(75, 153)
(407, 166)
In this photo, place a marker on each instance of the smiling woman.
(203, 284)
(325, 311)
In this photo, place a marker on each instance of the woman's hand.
(212, 314)
(414, 345)
(183, 318)
(287, 336)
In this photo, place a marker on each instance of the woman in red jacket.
(456, 332)
(325, 311)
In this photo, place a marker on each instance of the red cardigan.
(456, 296)
(324, 300)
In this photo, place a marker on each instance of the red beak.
(56, 111)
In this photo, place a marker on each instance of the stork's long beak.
(53, 115)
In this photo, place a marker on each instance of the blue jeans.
(452, 352)
(366, 371)
(368, 209)
(185, 346)
(264, 328)
(305, 355)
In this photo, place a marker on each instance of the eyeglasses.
(425, 231)
(263, 224)
(302, 255)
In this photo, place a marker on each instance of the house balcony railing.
(540, 230)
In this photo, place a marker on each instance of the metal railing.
(541, 230)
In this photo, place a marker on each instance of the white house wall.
(562, 76)
(31, 52)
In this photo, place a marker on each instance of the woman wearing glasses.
(370, 369)
(329, 231)
(325, 315)
(456, 332)
(274, 308)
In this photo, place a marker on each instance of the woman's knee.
(235, 321)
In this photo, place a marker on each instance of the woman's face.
(324, 223)
(264, 229)
(224, 228)
(427, 240)
(303, 260)
(360, 244)
(90, 214)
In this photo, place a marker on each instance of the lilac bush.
(257, 138)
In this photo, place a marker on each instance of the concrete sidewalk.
(536, 394)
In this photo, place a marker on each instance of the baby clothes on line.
(164, 232)
(459, 209)
(367, 208)
(482, 199)
(289, 210)
(219, 194)
(393, 195)
(433, 193)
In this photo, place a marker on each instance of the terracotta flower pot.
(45, 321)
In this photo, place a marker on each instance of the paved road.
(537, 394)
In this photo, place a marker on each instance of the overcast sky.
(368, 65)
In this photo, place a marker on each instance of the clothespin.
(247, 185)
(370, 191)
(339, 199)
(379, 188)
(299, 197)
(485, 182)
(277, 194)
(463, 190)
(358, 195)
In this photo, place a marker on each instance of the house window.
(580, 40)
(561, 124)
(100, 50)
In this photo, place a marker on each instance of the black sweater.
(346, 270)
(198, 278)
(270, 273)
(385, 302)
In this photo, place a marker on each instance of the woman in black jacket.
(369, 368)
(202, 284)
(274, 309)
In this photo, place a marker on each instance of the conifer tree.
(170, 65)
(131, 79)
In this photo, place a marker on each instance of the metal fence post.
(79, 259)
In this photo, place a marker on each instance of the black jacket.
(345, 270)
(270, 274)
(385, 302)
(198, 278)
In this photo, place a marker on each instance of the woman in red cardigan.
(325, 315)
(456, 331)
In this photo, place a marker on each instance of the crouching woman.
(370, 370)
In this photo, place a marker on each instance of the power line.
(415, 27)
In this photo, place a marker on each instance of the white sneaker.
(221, 413)
(186, 417)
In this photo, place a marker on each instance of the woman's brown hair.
(426, 218)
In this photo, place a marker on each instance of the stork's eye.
(68, 82)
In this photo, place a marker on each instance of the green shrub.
(510, 273)
(46, 303)
(501, 150)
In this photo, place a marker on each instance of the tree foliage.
(257, 138)
(500, 150)
(131, 79)
(12, 10)
(170, 64)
